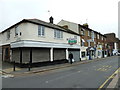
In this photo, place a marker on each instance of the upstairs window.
(98, 36)
(41, 30)
(16, 30)
(82, 31)
(94, 35)
(88, 33)
(102, 37)
(8, 35)
(58, 34)
(82, 42)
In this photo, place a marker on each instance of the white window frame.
(58, 34)
(98, 36)
(41, 30)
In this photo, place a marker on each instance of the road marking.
(10, 70)
(104, 68)
(112, 76)
(79, 71)
(46, 81)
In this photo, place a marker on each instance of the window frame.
(83, 54)
(8, 34)
(16, 31)
(58, 34)
(41, 30)
(98, 36)
(82, 31)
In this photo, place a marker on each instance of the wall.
(32, 34)
(13, 38)
(29, 31)
(71, 26)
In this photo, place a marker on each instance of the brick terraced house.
(93, 43)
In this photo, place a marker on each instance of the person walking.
(70, 57)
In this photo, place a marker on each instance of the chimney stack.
(51, 19)
(86, 25)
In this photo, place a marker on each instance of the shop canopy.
(90, 49)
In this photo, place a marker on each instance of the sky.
(101, 15)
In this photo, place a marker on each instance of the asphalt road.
(89, 75)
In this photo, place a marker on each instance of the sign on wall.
(72, 41)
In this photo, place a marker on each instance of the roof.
(91, 30)
(40, 22)
(84, 27)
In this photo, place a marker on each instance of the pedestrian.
(70, 57)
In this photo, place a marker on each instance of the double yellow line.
(112, 76)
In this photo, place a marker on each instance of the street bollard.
(29, 66)
(14, 66)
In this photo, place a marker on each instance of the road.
(89, 75)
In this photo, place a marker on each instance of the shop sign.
(72, 41)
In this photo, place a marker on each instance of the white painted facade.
(29, 31)
(27, 37)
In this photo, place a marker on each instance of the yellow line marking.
(108, 79)
(10, 69)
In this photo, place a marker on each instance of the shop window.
(99, 53)
(83, 54)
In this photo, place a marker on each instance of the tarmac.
(8, 71)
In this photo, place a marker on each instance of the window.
(16, 30)
(102, 37)
(88, 33)
(58, 34)
(82, 42)
(98, 36)
(41, 30)
(8, 34)
(82, 31)
(99, 53)
(83, 54)
(94, 35)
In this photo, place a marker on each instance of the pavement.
(7, 70)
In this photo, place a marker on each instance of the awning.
(42, 44)
(90, 49)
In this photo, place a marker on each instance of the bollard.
(29, 66)
(14, 66)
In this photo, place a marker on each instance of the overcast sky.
(101, 15)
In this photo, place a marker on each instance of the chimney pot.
(51, 19)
